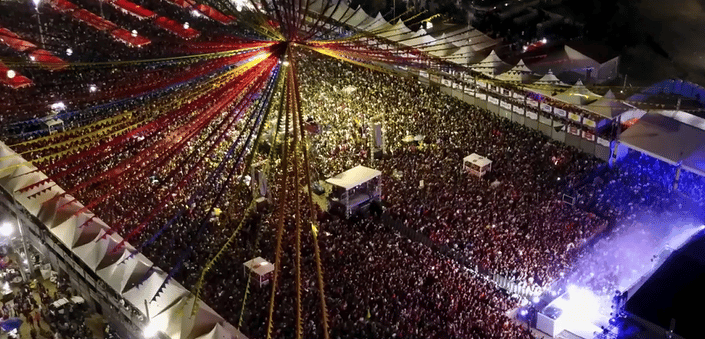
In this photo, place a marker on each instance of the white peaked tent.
(359, 19)
(440, 47)
(550, 79)
(342, 11)
(466, 56)
(378, 25)
(518, 73)
(578, 95)
(492, 65)
(479, 41)
(420, 39)
(608, 106)
(579, 60)
(398, 32)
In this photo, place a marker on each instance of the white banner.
(423, 74)
(559, 112)
(546, 108)
(505, 105)
(574, 117)
(482, 96)
(518, 110)
(588, 122)
(531, 114)
(482, 84)
(469, 90)
(457, 85)
(446, 82)
(574, 130)
(493, 100)
(518, 96)
(587, 135)
(467, 77)
(603, 142)
(531, 102)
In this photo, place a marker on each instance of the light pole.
(39, 21)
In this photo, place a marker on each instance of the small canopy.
(578, 95)
(518, 73)
(354, 177)
(608, 106)
(259, 266)
(492, 65)
(477, 160)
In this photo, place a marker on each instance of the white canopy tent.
(492, 65)
(377, 26)
(578, 95)
(359, 19)
(518, 73)
(354, 177)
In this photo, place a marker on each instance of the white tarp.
(377, 26)
(354, 177)
(440, 47)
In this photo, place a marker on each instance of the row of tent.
(132, 277)
(467, 46)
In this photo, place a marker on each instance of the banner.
(533, 103)
(518, 110)
(546, 107)
(559, 112)
(469, 90)
(482, 84)
(587, 135)
(482, 96)
(457, 85)
(574, 130)
(493, 100)
(518, 96)
(467, 77)
(574, 117)
(531, 114)
(435, 78)
(603, 142)
(446, 82)
(544, 120)
(505, 105)
(588, 122)
(423, 74)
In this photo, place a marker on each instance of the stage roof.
(669, 139)
(354, 177)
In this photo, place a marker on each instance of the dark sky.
(679, 27)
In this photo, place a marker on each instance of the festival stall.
(355, 188)
(259, 270)
(477, 165)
